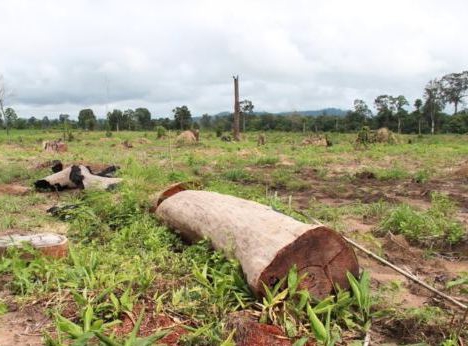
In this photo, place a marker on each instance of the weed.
(267, 160)
(237, 174)
(435, 227)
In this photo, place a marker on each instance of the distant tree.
(355, 120)
(33, 123)
(142, 117)
(383, 105)
(64, 118)
(45, 122)
(246, 110)
(418, 114)
(128, 119)
(115, 119)
(205, 121)
(454, 88)
(9, 118)
(183, 117)
(397, 104)
(87, 119)
(20, 123)
(434, 101)
(457, 123)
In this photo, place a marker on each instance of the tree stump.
(266, 242)
(55, 146)
(50, 244)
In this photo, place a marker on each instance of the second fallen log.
(266, 243)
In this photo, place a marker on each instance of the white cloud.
(57, 56)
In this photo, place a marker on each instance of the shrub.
(160, 131)
(237, 174)
(267, 160)
(436, 226)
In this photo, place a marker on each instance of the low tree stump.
(266, 242)
(50, 244)
(55, 146)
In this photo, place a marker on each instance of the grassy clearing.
(122, 261)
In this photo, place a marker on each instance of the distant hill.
(312, 113)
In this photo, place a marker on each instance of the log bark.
(79, 177)
(266, 243)
(50, 244)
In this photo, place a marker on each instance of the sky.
(62, 56)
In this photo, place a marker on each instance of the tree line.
(391, 111)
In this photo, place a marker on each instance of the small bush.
(267, 160)
(394, 173)
(421, 176)
(160, 132)
(436, 226)
(237, 174)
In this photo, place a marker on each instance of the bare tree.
(235, 127)
(433, 94)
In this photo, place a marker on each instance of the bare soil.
(23, 327)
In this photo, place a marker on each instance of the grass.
(434, 227)
(122, 259)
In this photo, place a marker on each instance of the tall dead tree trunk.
(235, 126)
(266, 243)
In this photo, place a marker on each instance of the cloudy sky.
(62, 56)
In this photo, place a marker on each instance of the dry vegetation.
(407, 202)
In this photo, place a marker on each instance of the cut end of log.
(321, 255)
(166, 193)
(50, 244)
(266, 243)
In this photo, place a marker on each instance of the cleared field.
(407, 202)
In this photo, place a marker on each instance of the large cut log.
(50, 244)
(78, 177)
(266, 242)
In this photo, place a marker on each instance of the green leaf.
(355, 288)
(88, 317)
(83, 339)
(293, 280)
(301, 342)
(150, 340)
(280, 297)
(68, 327)
(106, 340)
(317, 326)
(290, 327)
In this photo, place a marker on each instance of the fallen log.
(80, 177)
(266, 242)
(50, 244)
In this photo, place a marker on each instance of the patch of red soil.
(151, 324)
(249, 332)
(14, 189)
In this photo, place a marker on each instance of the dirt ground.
(23, 327)
(342, 185)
